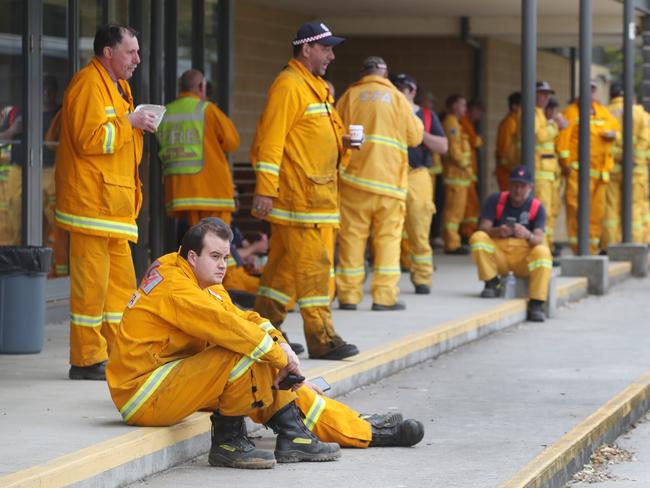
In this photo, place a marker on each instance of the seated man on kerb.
(511, 239)
(182, 347)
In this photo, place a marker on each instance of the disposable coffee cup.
(356, 134)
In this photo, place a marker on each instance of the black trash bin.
(23, 273)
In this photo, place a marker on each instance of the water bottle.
(509, 285)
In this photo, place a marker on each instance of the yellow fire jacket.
(297, 147)
(601, 149)
(390, 127)
(97, 185)
(546, 133)
(506, 140)
(212, 188)
(640, 129)
(457, 163)
(475, 141)
(169, 318)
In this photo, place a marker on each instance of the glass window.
(184, 51)
(11, 96)
(211, 53)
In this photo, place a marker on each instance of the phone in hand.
(510, 222)
(320, 383)
(290, 380)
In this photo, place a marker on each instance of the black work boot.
(295, 441)
(536, 311)
(92, 372)
(382, 419)
(232, 448)
(392, 432)
(492, 288)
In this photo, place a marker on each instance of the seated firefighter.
(510, 238)
(182, 346)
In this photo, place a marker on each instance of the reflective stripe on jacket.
(390, 127)
(297, 147)
(97, 184)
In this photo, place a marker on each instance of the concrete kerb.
(556, 464)
(146, 451)
(551, 303)
(595, 268)
(636, 254)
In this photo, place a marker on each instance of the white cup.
(356, 134)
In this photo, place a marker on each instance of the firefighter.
(473, 207)
(194, 137)
(182, 346)
(604, 130)
(511, 239)
(299, 142)
(506, 139)
(99, 194)
(457, 174)
(374, 186)
(420, 207)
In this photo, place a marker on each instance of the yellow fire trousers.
(419, 213)
(200, 382)
(237, 278)
(499, 256)
(299, 264)
(102, 280)
(556, 208)
(598, 193)
(455, 204)
(364, 214)
(545, 192)
(469, 224)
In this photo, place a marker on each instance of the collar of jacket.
(316, 83)
(110, 84)
(185, 267)
(187, 94)
(375, 79)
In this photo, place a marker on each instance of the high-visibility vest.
(180, 137)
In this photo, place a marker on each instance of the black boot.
(232, 448)
(391, 430)
(382, 419)
(92, 372)
(492, 288)
(536, 311)
(295, 441)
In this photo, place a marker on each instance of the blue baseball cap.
(316, 32)
(523, 174)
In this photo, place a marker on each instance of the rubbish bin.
(23, 273)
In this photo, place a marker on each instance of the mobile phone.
(320, 382)
(290, 380)
(511, 221)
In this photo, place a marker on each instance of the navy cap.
(544, 86)
(521, 173)
(316, 32)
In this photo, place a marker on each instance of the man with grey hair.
(373, 186)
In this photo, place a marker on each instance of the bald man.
(194, 138)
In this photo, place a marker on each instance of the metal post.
(156, 221)
(171, 49)
(629, 28)
(528, 75)
(584, 155)
(198, 35)
(573, 58)
(73, 37)
(32, 136)
(225, 47)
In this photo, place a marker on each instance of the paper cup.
(356, 134)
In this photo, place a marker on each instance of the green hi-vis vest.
(180, 137)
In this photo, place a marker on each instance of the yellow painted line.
(88, 462)
(619, 268)
(91, 461)
(555, 457)
(566, 289)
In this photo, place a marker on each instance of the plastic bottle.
(509, 285)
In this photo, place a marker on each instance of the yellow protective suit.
(420, 209)
(546, 164)
(180, 349)
(505, 149)
(602, 121)
(499, 256)
(457, 174)
(11, 185)
(374, 183)
(469, 224)
(297, 147)
(98, 199)
(612, 230)
(209, 193)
